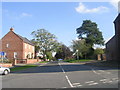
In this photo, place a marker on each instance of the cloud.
(83, 9)
(25, 15)
(115, 4)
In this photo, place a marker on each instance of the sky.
(59, 18)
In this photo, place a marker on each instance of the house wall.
(113, 45)
(28, 51)
(117, 33)
(111, 49)
(12, 43)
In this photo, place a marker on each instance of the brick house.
(16, 46)
(113, 45)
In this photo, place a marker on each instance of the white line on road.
(101, 70)
(64, 87)
(114, 78)
(66, 75)
(79, 85)
(95, 71)
(89, 82)
(75, 83)
(93, 84)
(103, 79)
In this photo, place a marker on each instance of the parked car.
(4, 70)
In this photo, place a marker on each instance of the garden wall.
(6, 64)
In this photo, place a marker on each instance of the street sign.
(2, 53)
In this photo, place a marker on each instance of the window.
(25, 55)
(33, 49)
(29, 46)
(15, 54)
(5, 55)
(7, 45)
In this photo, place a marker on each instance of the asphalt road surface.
(62, 75)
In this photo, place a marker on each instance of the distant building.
(16, 46)
(113, 45)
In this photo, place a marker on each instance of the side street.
(79, 51)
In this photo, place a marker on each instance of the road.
(62, 75)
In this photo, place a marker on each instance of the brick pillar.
(98, 57)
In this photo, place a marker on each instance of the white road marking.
(110, 81)
(103, 79)
(79, 85)
(93, 84)
(101, 70)
(106, 81)
(95, 71)
(66, 75)
(114, 78)
(64, 87)
(89, 82)
(75, 83)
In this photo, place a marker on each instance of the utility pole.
(77, 55)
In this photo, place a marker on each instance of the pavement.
(62, 75)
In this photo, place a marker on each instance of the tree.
(90, 32)
(80, 48)
(99, 51)
(63, 52)
(44, 41)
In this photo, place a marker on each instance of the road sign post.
(2, 55)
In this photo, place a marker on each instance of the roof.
(114, 37)
(22, 38)
(25, 40)
(117, 18)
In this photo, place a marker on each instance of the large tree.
(90, 32)
(63, 52)
(80, 48)
(44, 41)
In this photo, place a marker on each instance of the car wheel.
(5, 72)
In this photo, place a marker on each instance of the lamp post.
(77, 54)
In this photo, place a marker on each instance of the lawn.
(22, 67)
(75, 61)
(44, 62)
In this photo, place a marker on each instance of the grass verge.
(75, 61)
(44, 62)
(22, 67)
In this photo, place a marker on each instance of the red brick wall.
(28, 49)
(15, 45)
(6, 65)
(29, 61)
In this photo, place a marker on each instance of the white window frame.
(15, 54)
(29, 46)
(25, 46)
(7, 45)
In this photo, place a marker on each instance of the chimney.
(11, 29)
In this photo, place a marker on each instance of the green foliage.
(22, 67)
(90, 33)
(77, 61)
(44, 62)
(80, 47)
(49, 55)
(63, 52)
(98, 51)
(44, 41)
